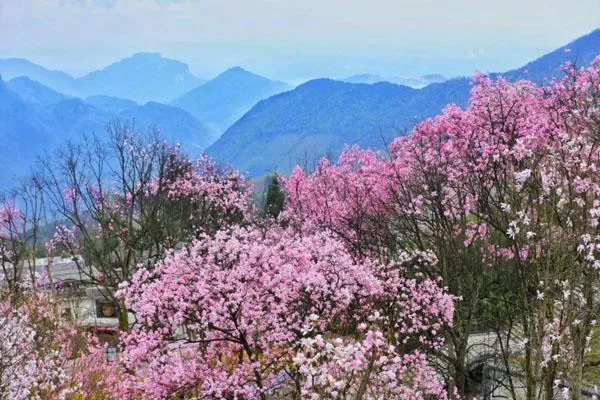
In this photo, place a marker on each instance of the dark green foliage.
(275, 198)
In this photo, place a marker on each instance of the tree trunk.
(123, 316)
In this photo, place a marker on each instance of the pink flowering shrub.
(372, 368)
(132, 198)
(62, 239)
(18, 362)
(227, 316)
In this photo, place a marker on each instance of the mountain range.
(322, 116)
(37, 117)
(146, 77)
(34, 118)
(16, 67)
(268, 126)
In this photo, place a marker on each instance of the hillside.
(224, 99)
(175, 124)
(21, 126)
(111, 105)
(322, 116)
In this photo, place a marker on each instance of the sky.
(294, 40)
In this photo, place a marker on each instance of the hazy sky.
(295, 39)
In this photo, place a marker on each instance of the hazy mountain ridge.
(35, 118)
(224, 99)
(145, 77)
(34, 92)
(142, 77)
(581, 51)
(416, 82)
(272, 127)
(322, 116)
(21, 126)
(11, 68)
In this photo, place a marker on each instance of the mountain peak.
(236, 72)
(34, 92)
(16, 67)
(149, 60)
(224, 99)
(141, 77)
(236, 69)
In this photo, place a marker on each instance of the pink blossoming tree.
(44, 357)
(257, 310)
(127, 201)
(505, 194)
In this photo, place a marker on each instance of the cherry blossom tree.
(126, 201)
(252, 310)
(45, 357)
(21, 214)
(12, 245)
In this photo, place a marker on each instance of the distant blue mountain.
(415, 82)
(582, 52)
(322, 116)
(175, 125)
(11, 68)
(142, 77)
(35, 93)
(35, 118)
(111, 105)
(20, 127)
(224, 99)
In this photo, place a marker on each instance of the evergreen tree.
(275, 198)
